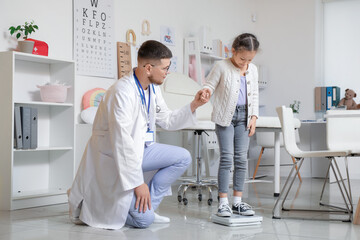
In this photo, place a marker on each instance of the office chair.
(177, 90)
(198, 183)
(285, 115)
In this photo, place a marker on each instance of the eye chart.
(94, 47)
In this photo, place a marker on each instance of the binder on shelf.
(323, 98)
(17, 128)
(33, 128)
(329, 96)
(320, 99)
(336, 96)
(25, 125)
(317, 99)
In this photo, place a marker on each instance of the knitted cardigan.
(224, 84)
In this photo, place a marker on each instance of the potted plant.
(24, 30)
(295, 107)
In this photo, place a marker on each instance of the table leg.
(277, 164)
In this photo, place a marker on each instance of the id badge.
(149, 136)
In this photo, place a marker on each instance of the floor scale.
(237, 220)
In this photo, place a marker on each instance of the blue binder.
(336, 96)
(329, 97)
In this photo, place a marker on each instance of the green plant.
(25, 30)
(295, 106)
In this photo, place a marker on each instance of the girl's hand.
(252, 126)
(206, 93)
(201, 97)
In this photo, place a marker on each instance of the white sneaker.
(224, 210)
(161, 219)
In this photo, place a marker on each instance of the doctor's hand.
(201, 97)
(205, 95)
(143, 200)
(252, 126)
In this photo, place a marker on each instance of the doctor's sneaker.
(243, 209)
(224, 210)
(160, 219)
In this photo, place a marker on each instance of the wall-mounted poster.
(167, 35)
(94, 47)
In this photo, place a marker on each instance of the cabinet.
(41, 176)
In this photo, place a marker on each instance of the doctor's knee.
(186, 157)
(144, 220)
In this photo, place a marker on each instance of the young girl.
(234, 84)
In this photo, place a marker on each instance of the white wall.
(226, 20)
(341, 45)
(54, 19)
(341, 53)
(286, 31)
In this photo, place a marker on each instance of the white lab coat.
(110, 168)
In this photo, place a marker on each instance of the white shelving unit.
(192, 48)
(41, 176)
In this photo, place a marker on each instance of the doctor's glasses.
(165, 69)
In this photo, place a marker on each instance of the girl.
(234, 84)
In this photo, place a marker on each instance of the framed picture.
(167, 35)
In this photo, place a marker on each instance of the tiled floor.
(191, 221)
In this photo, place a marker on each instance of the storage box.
(53, 93)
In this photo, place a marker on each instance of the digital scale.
(237, 220)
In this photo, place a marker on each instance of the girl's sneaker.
(243, 209)
(224, 210)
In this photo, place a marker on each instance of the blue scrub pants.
(171, 162)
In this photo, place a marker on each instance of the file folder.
(320, 99)
(329, 97)
(33, 128)
(25, 125)
(323, 98)
(336, 96)
(317, 99)
(17, 128)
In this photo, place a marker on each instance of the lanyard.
(143, 99)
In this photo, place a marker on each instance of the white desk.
(272, 124)
(342, 130)
(342, 133)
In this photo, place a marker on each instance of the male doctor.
(109, 189)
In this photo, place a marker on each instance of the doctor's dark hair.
(246, 41)
(154, 50)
